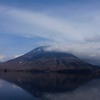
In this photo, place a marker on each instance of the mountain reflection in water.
(49, 86)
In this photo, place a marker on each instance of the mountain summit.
(42, 59)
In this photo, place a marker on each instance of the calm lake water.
(48, 86)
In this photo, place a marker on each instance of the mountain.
(42, 59)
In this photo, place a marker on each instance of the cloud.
(75, 34)
(77, 48)
(90, 52)
(95, 38)
(28, 23)
(24, 22)
(2, 57)
(18, 55)
(93, 55)
(6, 57)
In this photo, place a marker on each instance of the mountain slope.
(41, 59)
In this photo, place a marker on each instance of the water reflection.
(48, 86)
(10, 91)
(88, 91)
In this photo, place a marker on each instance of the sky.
(66, 25)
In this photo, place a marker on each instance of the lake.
(48, 86)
